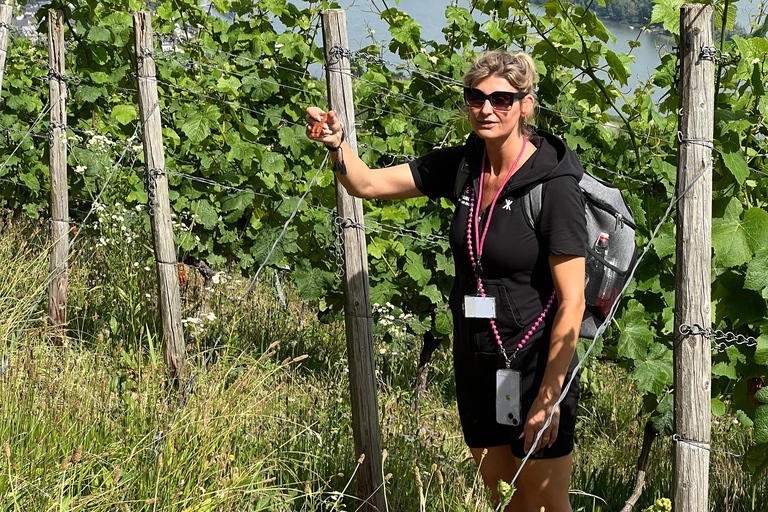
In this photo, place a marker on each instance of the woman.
(535, 274)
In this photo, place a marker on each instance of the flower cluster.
(99, 142)
(197, 324)
(392, 323)
(117, 226)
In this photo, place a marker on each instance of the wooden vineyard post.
(159, 202)
(357, 308)
(692, 353)
(57, 288)
(6, 13)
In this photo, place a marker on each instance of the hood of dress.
(553, 159)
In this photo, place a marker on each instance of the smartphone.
(508, 397)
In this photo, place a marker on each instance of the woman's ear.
(527, 110)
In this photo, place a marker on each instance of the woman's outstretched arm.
(389, 183)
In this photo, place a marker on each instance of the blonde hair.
(516, 68)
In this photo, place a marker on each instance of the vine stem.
(589, 71)
(722, 45)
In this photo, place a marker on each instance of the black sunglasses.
(500, 100)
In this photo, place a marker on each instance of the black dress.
(516, 272)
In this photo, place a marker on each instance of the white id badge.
(508, 397)
(479, 307)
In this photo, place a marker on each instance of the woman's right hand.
(331, 132)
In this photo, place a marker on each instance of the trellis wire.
(96, 202)
(458, 83)
(235, 73)
(285, 228)
(602, 327)
(31, 129)
(225, 102)
(373, 226)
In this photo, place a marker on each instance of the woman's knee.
(526, 500)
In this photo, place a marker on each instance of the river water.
(430, 15)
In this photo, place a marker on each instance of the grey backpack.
(607, 214)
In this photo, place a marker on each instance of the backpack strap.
(532, 201)
(461, 178)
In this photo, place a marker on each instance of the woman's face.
(489, 123)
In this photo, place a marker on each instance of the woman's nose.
(487, 108)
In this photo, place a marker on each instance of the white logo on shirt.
(507, 205)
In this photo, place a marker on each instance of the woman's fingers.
(314, 114)
(535, 424)
(322, 126)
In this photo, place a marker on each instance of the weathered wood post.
(6, 12)
(159, 203)
(692, 353)
(357, 307)
(57, 288)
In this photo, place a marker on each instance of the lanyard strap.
(481, 239)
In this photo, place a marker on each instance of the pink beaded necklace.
(473, 218)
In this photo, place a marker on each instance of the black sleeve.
(563, 225)
(435, 172)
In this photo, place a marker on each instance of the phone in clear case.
(508, 397)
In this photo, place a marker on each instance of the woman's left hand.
(537, 417)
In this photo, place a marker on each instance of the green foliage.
(232, 101)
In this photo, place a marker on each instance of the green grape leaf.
(724, 370)
(618, 66)
(443, 323)
(664, 244)
(718, 408)
(88, 94)
(755, 224)
(124, 114)
(757, 273)
(222, 6)
(311, 282)
(663, 416)
(635, 337)
(415, 268)
(97, 33)
(761, 353)
(654, 372)
(761, 424)
(99, 77)
(228, 85)
(196, 127)
(734, 160)
(729, 237)
(432, 293)
(668, 14)
(206, 214)
(755, 461)
(745, 420)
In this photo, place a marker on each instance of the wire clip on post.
(52, 126)
(718, 57)
(337, 243)
(338, 53)
(696, 142)
(704, 446)
(725, 339)
(151, 187)
(55, 75)
(146, 52)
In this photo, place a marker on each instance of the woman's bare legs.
(542, 482)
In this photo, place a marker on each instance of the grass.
(97, 427)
